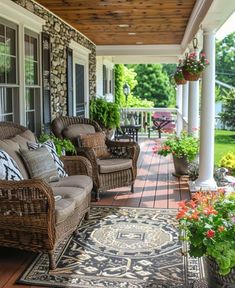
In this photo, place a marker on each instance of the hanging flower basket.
(180, 81)
(191, 76)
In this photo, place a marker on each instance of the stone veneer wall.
(60, 36)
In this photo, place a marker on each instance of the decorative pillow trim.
(9, 170)
(51, 148)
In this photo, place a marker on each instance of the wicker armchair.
(120, 150)
(28, 207)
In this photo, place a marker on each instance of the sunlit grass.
(224, 143)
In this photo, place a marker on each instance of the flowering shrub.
(194, 65)
(183, 146)
(228, 161)
(178, 75)
(207, 223)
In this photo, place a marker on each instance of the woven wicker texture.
(27, 207)
(103, 182)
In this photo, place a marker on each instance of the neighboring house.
(47, 68)
(105, 82)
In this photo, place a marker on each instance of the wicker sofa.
(118, 171)
(31, 218)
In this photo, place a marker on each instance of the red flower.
(194, 215)
(192, 204)
(181, 214)
(210, 233)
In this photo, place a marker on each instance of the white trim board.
(19, 15)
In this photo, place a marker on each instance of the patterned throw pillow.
(51, 148)
(40, 164)
(9, 170)
(95, 141)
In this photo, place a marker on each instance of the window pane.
(34, 42)
(29, 72)
(2, 69)
(6, 100)
(29, 99)
(11, 41)
(2, 30)
(30, 123)
(6, 118)
(11, 69)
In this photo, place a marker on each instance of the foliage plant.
(228, 161)
(178, 75)
(106, 113)
(194, 65)
(228, 115)
(207, 223)
(180, 146)
(62, 145)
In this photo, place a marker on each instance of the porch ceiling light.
(131, 33)
(139, 43)
(123, 25)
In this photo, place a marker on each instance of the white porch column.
(185, 100)
(185, 104)
(179, 106)
(193, 108)
(206, 158)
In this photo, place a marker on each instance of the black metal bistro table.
(158, 124)
(129, 132)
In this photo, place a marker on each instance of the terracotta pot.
(214, 279)
(191, 76)
(181, 165)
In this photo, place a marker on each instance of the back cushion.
(97, 142)
(73, 131)
(12, 147)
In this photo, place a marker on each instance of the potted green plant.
(107, 114)
(63, 146)
(207, 224)
(193, 66)
(184, 149)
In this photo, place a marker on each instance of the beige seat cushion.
(73, 131)
(40, 164)
(97, 142)
(63, 209)
(79, 195)
(114, 165)
(79, 181)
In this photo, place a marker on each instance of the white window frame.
(81, 56)
(24, 19)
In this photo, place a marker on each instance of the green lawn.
(224, 142)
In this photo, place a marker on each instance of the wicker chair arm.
(75, 165)
(28, 205)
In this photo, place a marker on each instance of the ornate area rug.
(120, 248)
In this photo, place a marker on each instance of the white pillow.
(9, 170)
(51, 148)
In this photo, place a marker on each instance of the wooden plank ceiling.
(126, 22)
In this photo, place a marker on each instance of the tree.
(228, 115)
(225, 59)
(153, 85)
(127, 75)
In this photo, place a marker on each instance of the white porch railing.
(143, 116)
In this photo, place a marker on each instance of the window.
(9, 86)
(32, 87)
